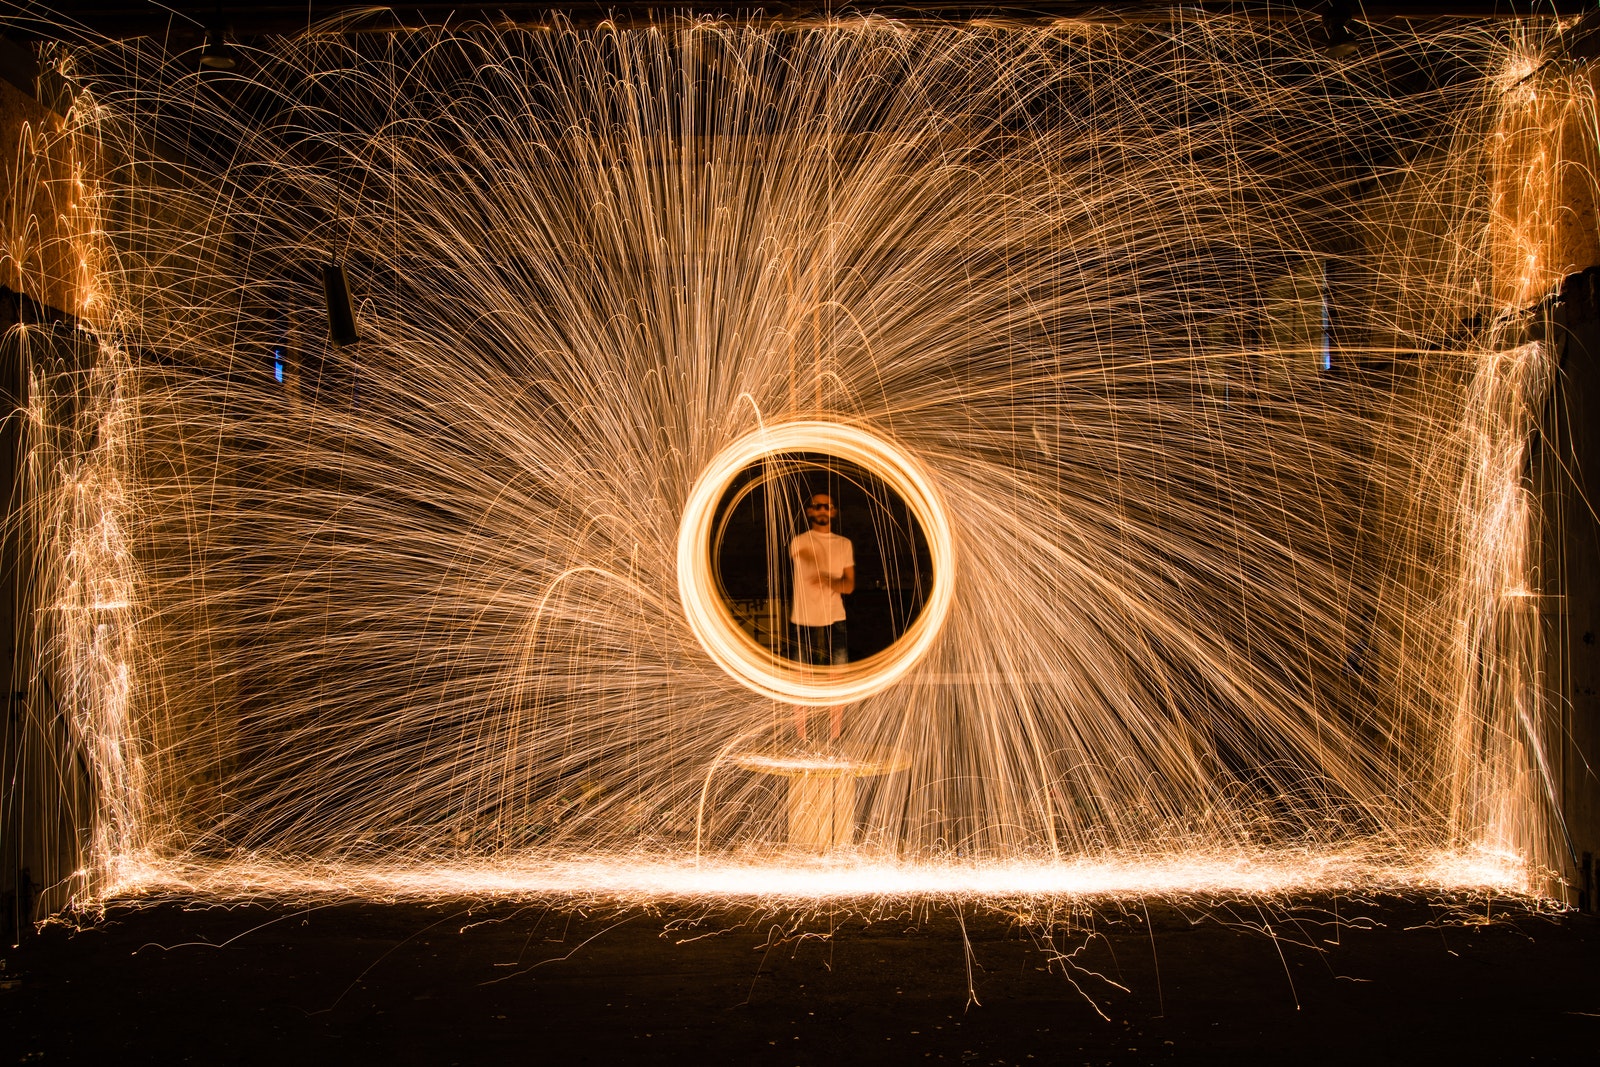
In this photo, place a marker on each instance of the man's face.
(819, 511)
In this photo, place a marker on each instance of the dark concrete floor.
(1337, 980)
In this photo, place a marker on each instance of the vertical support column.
(44, 780)
(1571, 492)
(15, 893)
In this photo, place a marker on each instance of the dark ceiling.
(185, 21)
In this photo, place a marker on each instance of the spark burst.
(1201, 336)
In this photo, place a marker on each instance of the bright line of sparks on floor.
(841, 877)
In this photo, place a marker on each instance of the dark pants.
(822, 646)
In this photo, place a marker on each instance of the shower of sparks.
(1280, 873)
(1204, 339)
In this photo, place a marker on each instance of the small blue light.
(1327, 331)
(277, 365)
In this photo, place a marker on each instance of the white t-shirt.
(817, 558)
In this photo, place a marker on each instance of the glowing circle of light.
(759, 668)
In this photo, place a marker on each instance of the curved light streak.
(760, 669)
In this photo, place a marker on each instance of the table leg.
(822, 811)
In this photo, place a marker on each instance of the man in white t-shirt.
(824, 572)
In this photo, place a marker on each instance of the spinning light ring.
(760, 668)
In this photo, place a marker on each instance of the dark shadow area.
(764, 508)
(1339, 980)
(1563, 461)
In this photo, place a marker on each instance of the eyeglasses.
(815, 507)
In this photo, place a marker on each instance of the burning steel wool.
(1188, 349)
